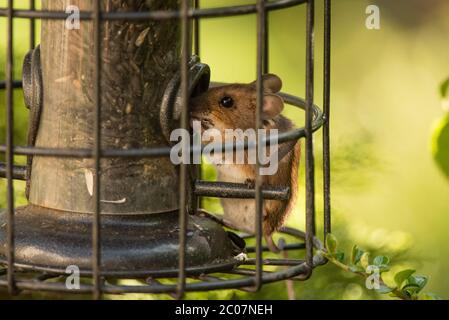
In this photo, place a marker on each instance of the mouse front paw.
(250, 183)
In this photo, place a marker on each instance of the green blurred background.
(388, 195)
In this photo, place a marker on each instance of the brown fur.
(207, 109)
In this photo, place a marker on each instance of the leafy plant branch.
(408, 286)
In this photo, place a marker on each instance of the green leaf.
(444, 88)
(331, 243)
(364, 260)
(383, 268)
(381, 261)
(411, 290)
(419, 281)
(440, 144)
(403, 275)
(340, 256)
(383, 289)
(356, 254)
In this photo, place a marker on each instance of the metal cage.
(16, 275)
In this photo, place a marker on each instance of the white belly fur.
(240, 213)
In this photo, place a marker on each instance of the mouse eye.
(227, 102)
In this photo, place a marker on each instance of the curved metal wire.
(157, 152)
(157, 14)
(295, 269)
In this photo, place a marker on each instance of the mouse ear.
(272, 106)
(271, 83)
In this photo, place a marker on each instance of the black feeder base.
(49, 241)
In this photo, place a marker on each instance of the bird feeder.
(103, 194)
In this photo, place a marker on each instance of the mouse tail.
(294, 178)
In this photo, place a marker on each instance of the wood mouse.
(233, 106)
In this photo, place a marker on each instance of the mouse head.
(234, 106)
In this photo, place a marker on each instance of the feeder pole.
(137, 61)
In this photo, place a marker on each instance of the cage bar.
(196, 28)
(183, 216)
(9, 155)
(310, 165)
(326, 125)
(158, 14)
(96, 225)
(261, 37)
(297, 269)
(32, 26)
